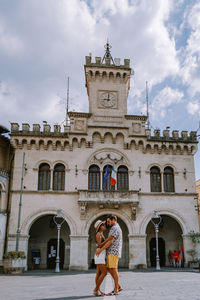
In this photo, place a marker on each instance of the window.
(94, 178)
(44, 177)
(122, 178)
(155, 178)
(59, 178)
(168, 177)
(107, 186)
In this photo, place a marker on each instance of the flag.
(106, 175)
(113, 178)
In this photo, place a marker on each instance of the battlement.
(36, 129)
(184, 137)
(107, 62)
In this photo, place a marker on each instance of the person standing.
(113, 244)
(100, 261)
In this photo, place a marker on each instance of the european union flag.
(106, 175)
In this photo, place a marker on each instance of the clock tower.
(107, 83)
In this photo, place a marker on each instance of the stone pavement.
(138, 285)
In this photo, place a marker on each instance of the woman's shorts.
(101, 259)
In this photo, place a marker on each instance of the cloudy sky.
(43, 42)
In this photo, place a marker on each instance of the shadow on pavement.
(69, 298)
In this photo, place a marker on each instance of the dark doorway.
(52, 252)
(161, 248)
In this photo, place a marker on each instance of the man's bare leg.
(115, 275)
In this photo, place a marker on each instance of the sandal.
(98, 293)
(113, 293)
(120, 289)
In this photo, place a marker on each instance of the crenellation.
(184, 134)
(98, 60)
(127, 63)
(166, 133)
(14, 127)
(175, 134)
(25, 127)
(157, 133)
(36, 127)
(57, 128)
(46, 128)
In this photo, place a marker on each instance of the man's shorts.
(112, 261)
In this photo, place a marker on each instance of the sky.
(44, 42)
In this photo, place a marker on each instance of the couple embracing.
(108, 253)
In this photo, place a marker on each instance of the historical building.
(6, 156)
(198, 194)
(65, 170)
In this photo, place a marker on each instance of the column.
(78, 252)
(187, 245)
(137, 251)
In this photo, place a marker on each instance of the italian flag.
(113, 178)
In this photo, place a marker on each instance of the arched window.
(106, 185)
(168, 177)
(122, 178)
(44, 177)
(155, 178)
(94, 178)
(59, 177)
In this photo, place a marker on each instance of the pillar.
(187, 245)
(137, 251)
(78, 252)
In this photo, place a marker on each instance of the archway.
(43, 244)
(124, 260)
(170, 239)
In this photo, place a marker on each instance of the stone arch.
(60, 162)
(169, 165)
(153, 165)
(98, 213)
(83, 142)
(42, 161)
(119, 139)
(104, 75)
(97, 74)
(75, 142)
(92, 158)
(28, 222)
(96, 137)
(148, 148)
(108, 138)
(111, 75)
(171, 213)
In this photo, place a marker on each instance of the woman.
(100, 260)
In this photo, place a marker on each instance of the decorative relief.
(136, 127)
(115, 158)
(79, 125)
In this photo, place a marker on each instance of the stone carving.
(136, 127)
(79, 125)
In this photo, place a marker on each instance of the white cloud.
(190, 71)
(164, 100)
(193, 108)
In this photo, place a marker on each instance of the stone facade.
(5, 168)
(106, 135)
(198, 193)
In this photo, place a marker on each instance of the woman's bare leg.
(103, 271)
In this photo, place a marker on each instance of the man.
(113, 244)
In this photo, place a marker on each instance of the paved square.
(144, 285)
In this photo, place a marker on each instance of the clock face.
(107, 99)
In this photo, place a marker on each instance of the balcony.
(108, 199)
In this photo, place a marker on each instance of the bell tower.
(108, 84)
